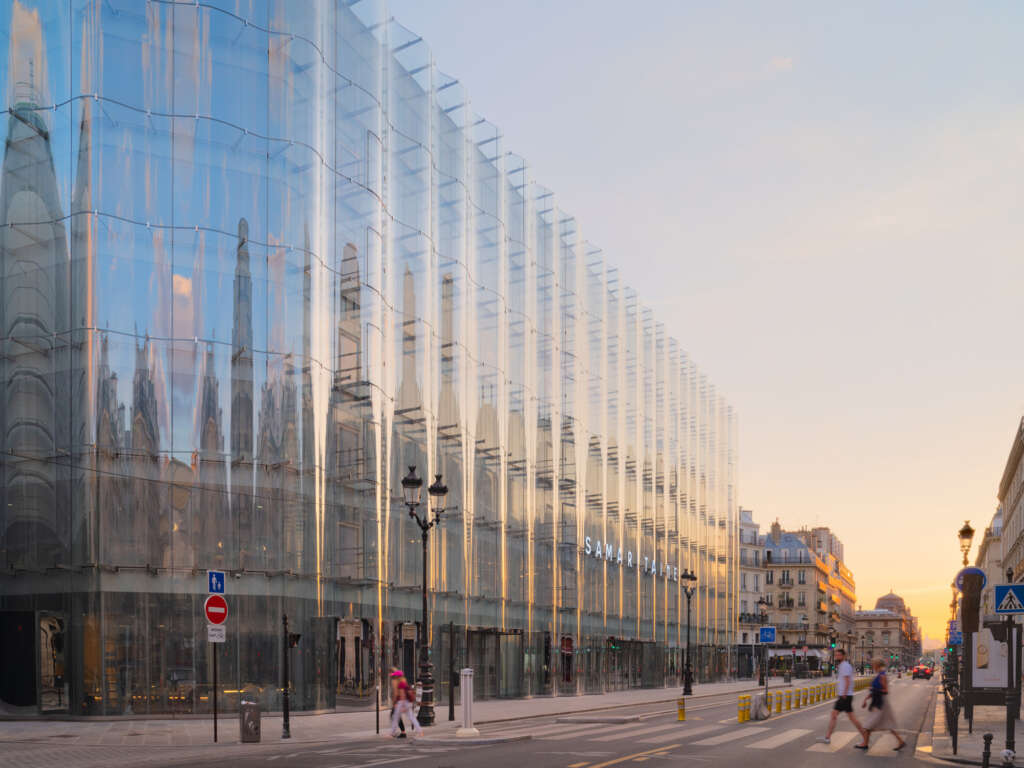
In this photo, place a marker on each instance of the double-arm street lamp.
(689, 579)
(411, 488)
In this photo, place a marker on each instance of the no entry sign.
(216, 608)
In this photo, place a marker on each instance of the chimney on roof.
(776, 531)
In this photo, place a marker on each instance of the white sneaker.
(825, 740)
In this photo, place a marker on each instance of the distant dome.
(892, 602)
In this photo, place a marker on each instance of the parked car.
(923, 670)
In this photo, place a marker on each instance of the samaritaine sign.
(613, 554)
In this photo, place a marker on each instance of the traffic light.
(832, 644)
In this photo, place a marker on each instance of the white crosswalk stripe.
(779, 739)
(733, 736)
(839, 740)
(596, 727)
(661, 738)
(678, 728)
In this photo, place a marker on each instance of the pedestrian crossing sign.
(1009, 598)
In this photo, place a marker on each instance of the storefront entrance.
(33, 647)
(497, 661)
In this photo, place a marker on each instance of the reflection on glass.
(236, 304)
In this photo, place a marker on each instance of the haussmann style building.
(256, 259)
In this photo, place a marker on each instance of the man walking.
(844, 698)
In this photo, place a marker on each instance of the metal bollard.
(986, 752)
(466, 683)
(789, 700)
(796, 699)
(747, 702)
(739, 710)
(807, 695)
(681, 707)
(778, 702)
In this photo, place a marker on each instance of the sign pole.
(1010, 685)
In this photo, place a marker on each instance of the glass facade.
(260, 256)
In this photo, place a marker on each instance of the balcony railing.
(753, 618)
(786, 605)
(785, 582)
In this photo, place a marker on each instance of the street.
(710, 735)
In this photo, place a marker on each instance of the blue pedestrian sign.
(216, 579)
(1009, 598)
(767, 635)
(956, 638)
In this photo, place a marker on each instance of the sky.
(822, 203)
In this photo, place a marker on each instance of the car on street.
(922, 670)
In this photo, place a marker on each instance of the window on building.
(757, 558)
(802, 576)
(743, 607)
(801, 600)
(743, 582)
(769, 577)
(757, 582)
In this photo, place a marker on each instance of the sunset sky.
(822, 203)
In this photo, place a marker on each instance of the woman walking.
(880, 716)
(396, 721)
(403, 711)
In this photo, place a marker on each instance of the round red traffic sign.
(216, 608)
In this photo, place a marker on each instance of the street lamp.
(763, 618)
(411, 489)
(965, 535)
(688, 576)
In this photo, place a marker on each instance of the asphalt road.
(710, 735)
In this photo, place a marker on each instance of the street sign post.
(767, 634)
(1009, 598)
(216, 610)
(215, 580)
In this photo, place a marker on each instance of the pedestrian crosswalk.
(695, 734)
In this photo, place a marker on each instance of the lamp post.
(762, 604)
(411, 488)
(688, 588)
(965, 535)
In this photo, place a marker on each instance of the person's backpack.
(410, 694)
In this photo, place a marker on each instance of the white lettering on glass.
(608, 551)
(586, 546)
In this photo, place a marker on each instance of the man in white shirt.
(844, 697)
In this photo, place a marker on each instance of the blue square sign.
(767, 635)
(1009, 598)
(216, 579)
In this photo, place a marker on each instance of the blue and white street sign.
(216, 579)
(959, 581)
(1009, 598)
(956, 638)
(767, 635)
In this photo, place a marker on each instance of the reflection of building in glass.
(284, 283)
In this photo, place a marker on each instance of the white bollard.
(466, 692)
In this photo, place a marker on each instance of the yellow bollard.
(681, 704)
(739, 710)
(746, 708)
(796, 698)
(789, 700)
(807, 692)
(778, 702)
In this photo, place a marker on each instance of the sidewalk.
(337, 725)
(970, 745)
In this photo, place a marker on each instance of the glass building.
(257, 257)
